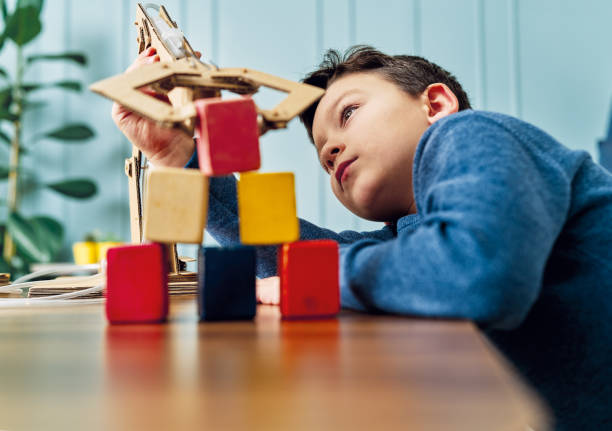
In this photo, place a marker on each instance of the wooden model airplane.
(184, 78)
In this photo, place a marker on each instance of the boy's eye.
(346, 113)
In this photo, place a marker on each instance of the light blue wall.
(546, 61)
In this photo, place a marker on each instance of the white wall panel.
(545, 61)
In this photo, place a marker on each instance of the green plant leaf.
(27, 240)
(4, 137)
(4, 11)
(5, 267)
(6, 115)
(79, 188)
(34, 104)
(24, 24)
(38, 4)
(67, 85)
(4, 73)
(6, 97)
(76, 57)
(72, 132)
(49, 231)
(4, 172)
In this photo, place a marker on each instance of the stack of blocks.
(175, 211)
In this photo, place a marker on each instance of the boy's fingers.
(148, 52)
(140, 61)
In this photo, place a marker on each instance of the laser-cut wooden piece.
(137, 284)
(267, 209)
(226, 283)
(309, 285)
(229, 138)
(175, 205)
(185, 79)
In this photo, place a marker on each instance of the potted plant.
(33, 238)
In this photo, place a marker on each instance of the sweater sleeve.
(223, 223)
(491, 209)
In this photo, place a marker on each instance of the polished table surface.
(66, 368)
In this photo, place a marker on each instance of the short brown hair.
(410, 73)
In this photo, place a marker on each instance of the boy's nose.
(331, 157)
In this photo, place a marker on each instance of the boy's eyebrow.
(328, 114)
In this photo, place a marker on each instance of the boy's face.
(366, 130)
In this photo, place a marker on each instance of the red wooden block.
(136, 284)
(309, 279)
(229, 136)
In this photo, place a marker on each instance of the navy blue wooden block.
(226, 283)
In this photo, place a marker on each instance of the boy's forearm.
(223, 225)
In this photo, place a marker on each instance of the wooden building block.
(229, 136)
(176, 201)
(309, 276)
(226, 283)
(266, 207)
(136, 284)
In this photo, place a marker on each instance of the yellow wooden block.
(103, 247)
(85, 252)
(266, 206)
(175, 207)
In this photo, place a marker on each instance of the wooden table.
(66, 368)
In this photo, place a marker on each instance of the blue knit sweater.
(513, 231)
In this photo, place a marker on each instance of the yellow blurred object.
(267, 209)
(85, 252)
(103, 246)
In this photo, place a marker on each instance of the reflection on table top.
(66, 368)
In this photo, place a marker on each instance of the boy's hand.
(268, 291)
(162, 146)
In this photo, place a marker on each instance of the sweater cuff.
(193, 162)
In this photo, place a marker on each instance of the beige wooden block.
(176, 202)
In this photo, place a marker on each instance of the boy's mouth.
(341, 170)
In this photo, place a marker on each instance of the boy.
(487, 218)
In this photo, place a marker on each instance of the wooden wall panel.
(566, 68)
(543, 61)
(449, 38)
(99, 29)
(336, 26)
(276, 37)
(47, 158)
(497, 56)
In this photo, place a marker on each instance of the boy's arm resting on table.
(490, 216)
(223, 223)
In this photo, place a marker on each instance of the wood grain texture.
(68, 369)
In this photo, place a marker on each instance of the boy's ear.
(440, 101)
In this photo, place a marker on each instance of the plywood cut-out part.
(176, 202)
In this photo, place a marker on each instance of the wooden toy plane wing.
(164, 77)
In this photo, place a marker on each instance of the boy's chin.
(374, 210)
